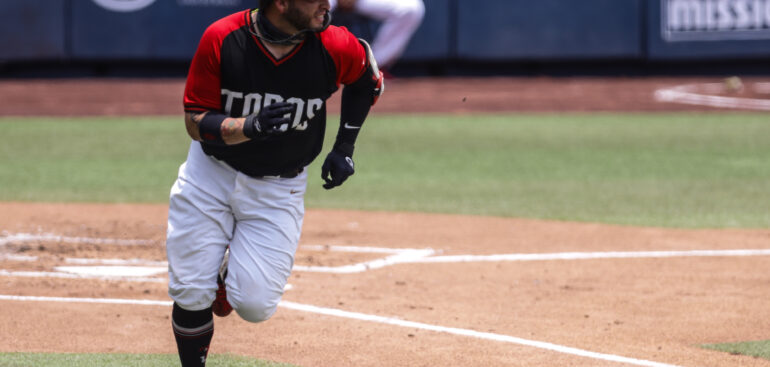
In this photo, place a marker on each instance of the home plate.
(115, 271)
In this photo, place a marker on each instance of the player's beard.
(301, 21)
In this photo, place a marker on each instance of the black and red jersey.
(233, 73)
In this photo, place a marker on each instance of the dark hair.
(264, 4)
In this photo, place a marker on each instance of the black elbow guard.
(372, 76)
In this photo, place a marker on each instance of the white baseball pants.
(400, 19)
(213, 206)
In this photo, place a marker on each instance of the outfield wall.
(453, 30)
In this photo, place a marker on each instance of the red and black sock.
(193, 331)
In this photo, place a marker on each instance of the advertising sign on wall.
(143, 29)
(708, 29)
(124, 5)
(135, 5)
(715, 20)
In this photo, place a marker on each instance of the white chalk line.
(88, 261)
(591, 256)
(114, 270)
(401, 257)
(64, 275)
(116, 301)
(398, 255)
(14, 257)
(358, 249)
(411, 256)
(121, 269)
(381, 320)
(138, 262)
(688, 94)
(45, 237)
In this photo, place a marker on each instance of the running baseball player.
(255, 108)
(400, 19)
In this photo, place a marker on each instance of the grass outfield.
(121, 360)
(677, 170)
(759, 349)
(688, 170)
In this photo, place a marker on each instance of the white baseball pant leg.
(213, 206)
(400, 19)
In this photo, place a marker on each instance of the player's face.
(307, 14)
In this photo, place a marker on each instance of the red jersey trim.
(270, 56)
(347, 52)
(193, 108)
(264, 49)
(202, 88)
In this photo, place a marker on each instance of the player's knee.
(255, 309)
(412, 13)
(191, 298)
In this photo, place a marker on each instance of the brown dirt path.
(650, 309)
(122, 97)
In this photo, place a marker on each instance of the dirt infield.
(125, 97)
(397, 289)
(650, 308)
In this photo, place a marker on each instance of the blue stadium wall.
(497, 31)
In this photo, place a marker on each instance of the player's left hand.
(336, 169)
(271, 120)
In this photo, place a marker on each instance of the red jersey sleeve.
(348, 54)
(202, 91)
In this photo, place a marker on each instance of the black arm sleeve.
(357, 100)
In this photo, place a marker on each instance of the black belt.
(290, 174)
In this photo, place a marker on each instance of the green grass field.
(690, 170)
(759, 349)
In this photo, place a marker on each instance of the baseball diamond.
(419, 289)
(225, 183)
(582, 312)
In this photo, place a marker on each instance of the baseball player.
(255, 108)
(400, 19)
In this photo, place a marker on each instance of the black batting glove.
(270, 121)
(337, 167)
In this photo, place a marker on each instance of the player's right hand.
(337, 167)
(272, 120)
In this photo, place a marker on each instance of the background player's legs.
(269, 220)
(400, 19)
